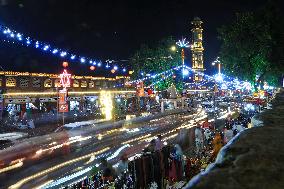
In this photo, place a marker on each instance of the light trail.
(11, 167)
(44, 172)
(43, 185)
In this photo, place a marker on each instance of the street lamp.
(173, 48)
(217, 61)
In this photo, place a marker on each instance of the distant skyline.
(109, 29)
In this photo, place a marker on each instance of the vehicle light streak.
(46, 171)
(43, 185)
(17, 165)
(136, 139)
(116, 153)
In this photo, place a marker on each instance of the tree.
(252, 45)
(154, 60)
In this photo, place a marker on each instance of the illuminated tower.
(197, 48)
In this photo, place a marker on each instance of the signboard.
(63, 108)
(62, 101)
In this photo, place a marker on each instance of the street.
(52, 160)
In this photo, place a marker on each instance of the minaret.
(197, 48)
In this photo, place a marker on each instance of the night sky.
(108, 29)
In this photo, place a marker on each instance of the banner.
(62, 101)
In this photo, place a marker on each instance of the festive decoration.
(65, 79)
(15, 36)
(183, 43)
(106, 103)
(65, 64)
(92, 68)
(113, 71)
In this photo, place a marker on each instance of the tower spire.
(197, 48)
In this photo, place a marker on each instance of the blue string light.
(15, 36)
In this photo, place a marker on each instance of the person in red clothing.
(206, 124)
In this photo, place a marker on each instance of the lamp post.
(217, 61)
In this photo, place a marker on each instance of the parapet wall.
(254, 159)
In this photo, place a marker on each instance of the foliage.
(156, 59)
(252, 45)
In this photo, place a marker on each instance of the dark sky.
(108, 29)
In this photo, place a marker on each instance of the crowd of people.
(162, 166)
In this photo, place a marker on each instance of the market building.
(18, 89)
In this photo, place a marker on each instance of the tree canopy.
(252, 45)
(157, 59)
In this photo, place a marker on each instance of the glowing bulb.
(99, 64)
(219, 78)
(185, 72)
(12, 35)
(62, 54)
(124, 70)
(115, 68)
(106, 103)
(83, 60)
(173, 48)
(54, 51)
(73, 57)
(46, 47)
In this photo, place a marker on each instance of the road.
(41, 161)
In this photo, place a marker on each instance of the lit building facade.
(21, 88)
(197, 49)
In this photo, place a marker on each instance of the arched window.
(48, 83)
(36, 82)
(57, 83)
(91, 84)
(11, 82)
(76, 83)
(83, 83)
(24, 82)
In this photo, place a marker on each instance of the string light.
(15, 36)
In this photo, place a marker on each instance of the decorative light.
(106, 103)
(65, 79)
(99, 64)
(15, 36)
(173, 48)
(46, 47)
(92, 68)
(65, 64)
(183, 43)
(73, 57)
(115, 68)
(124, 70)
(37, 44)
(185, 72)
(82, 60)
(219, 77)
(54, 51)
(113, 71)
(62, 54)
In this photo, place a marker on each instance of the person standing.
(228, 135)
(158, 143)
(199, 139)
(217, 144)
(122, 165)
(206, 124)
